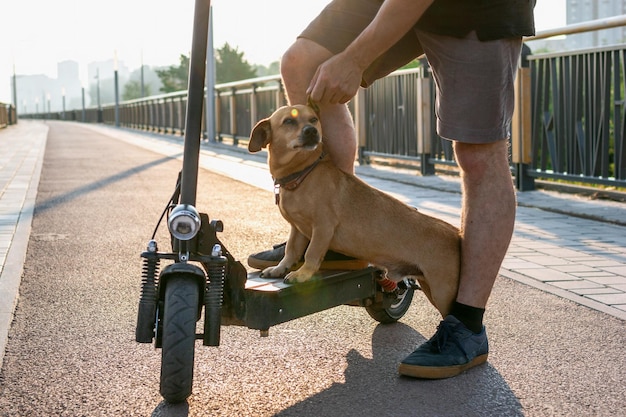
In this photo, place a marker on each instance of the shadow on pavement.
(71, 195)
(165, 409)
(372, 388)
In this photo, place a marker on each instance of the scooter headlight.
(184, 222)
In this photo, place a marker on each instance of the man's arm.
(338, 79)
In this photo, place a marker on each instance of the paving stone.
(516, 263)
(545, 260)
(609, 299)
(618, 270)
(610, 280)
(578, 284)
(546, 275)
(575, 269)
(600, 290)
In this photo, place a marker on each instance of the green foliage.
(174, 77)
(272, 69)
(230, 65)
(413, 64)
(132, 90)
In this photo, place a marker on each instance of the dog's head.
(290, 129)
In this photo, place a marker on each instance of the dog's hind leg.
(441, 293)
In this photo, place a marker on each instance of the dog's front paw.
(298, 275)
(274, 272)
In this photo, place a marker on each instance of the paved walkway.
(21, 157)
(564, 244)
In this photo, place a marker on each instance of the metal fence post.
(360, 125)
(281, 98)
(521, 126)
(254, 116)
(211, 102)
(233, 115)
(218, 118)
(424, 126)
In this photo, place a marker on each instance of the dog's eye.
(289, 121)
(313, 120)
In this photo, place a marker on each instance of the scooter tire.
(180, 308)
(393, 313)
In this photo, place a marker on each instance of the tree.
(132, 90)
(174, 78)
(151, 81)
(230, 65)
(416, 63)
(272, 69)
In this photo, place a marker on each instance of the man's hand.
(338, 79)
(335, 81)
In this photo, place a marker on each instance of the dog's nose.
(309, 131)
(310, 136)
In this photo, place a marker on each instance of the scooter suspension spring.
(214, 298)
(387, 285)
(144, 332)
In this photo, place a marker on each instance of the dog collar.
(291, 182)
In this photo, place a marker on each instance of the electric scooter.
(201, 274)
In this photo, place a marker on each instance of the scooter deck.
(271, 301)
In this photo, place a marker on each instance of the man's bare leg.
(487, 218)
(298, 65)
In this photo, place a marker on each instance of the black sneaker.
(332, 260)
(453, 349)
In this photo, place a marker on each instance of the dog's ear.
(260, 136)
(313, 105)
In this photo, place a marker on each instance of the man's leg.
(475, 91)
(298, 65)
(487, 217)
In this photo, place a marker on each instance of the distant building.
(69, 79)
(579, 11)
(583, 10)
(35, 93)
(106, 70)
(40, 93)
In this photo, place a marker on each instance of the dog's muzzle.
(309, 137)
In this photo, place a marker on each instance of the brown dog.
(330, 209)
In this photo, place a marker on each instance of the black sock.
(471, 317)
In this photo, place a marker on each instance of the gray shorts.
(474, 79)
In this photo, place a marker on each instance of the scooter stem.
(195, 99)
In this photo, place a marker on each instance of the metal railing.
(577, 112)
(569, 121)
(578, 116)
(8, 115)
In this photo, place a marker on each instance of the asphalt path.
(71, 348)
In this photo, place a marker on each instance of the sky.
(37, 34)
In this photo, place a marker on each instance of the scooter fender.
(178, 269)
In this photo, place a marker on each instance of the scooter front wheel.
(180, 309)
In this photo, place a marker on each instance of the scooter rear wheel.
(394, 312)
(180, 309)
